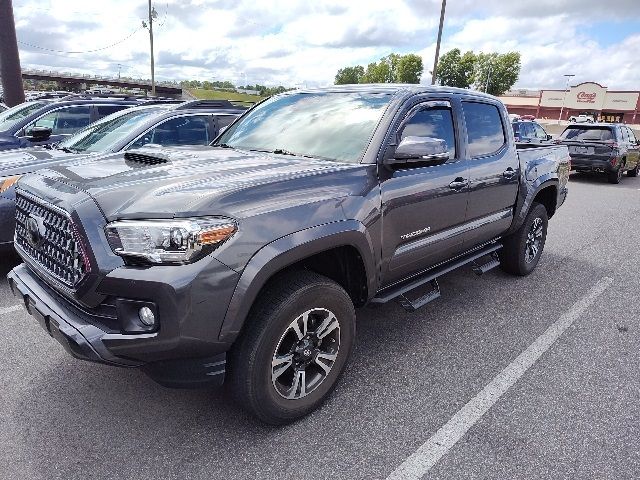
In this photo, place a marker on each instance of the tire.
(275, 395)
(615, 176)
(517, 255)
(634, 171)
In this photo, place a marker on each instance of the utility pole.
(435, 61)
(152, 14)
(564, 98)
(10, 71)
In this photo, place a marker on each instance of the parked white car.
(582, 118)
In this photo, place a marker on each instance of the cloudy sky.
(304, 42)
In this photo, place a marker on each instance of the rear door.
(424, 205)
(494, 172)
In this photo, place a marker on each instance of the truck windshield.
(102, 135)
(10, 117)
(333, 126)
(587, 134)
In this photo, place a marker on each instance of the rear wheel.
(521, 250)
(615, 176)
(297, 340)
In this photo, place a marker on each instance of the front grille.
(47, 236)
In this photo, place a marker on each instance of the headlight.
(7, 182)
(168, 241)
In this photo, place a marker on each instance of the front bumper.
(172, 355)
(78, 337)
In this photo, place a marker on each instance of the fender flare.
(286, 251)
(532, 189)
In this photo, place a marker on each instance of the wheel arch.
(311, 248)
(545, 189)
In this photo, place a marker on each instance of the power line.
(84, 51)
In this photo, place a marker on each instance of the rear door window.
(104, 110)
(539, 131)
(484, 129)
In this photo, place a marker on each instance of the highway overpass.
(79, 81)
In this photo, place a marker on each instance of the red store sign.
(584, 97)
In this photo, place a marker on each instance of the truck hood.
(27, 160)
(195, 181)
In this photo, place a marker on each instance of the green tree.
(456, 70)
(409, 69)
(496, 73)
(393, 68)
(349, 75)
(378, 72)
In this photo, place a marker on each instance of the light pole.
(152, 15)
(486, 87)
(564, 98)
(435, 61)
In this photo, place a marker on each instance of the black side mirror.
(39, 134)
(549, 137)
(419, 150)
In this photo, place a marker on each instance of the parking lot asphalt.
(572, 413)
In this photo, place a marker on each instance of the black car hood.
(27, 160)
(206, 181)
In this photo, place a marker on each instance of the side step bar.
(485, 267)
(431, 276)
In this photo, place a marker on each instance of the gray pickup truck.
(246, 259)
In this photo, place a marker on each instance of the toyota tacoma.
(244, 261)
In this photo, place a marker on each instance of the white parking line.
(430, 452)
(12, 308)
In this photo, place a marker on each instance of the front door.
(423, 204)
(494, 173)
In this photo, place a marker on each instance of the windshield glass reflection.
(333, 126)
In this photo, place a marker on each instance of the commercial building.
(585, 98)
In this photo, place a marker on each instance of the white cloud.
(293, 42)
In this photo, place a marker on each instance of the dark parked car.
(190, 123)
(606, 148)
(48, 121)
(255, 252)
(526, 131)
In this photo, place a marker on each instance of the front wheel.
(296, 342)
(522, 249)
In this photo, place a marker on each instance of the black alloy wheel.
(293, 348)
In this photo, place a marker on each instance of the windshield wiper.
(282, 151)
(223, 145)
(67, 149)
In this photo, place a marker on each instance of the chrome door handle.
(459, 183)
(509, 173)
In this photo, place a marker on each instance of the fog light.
(147, 317)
